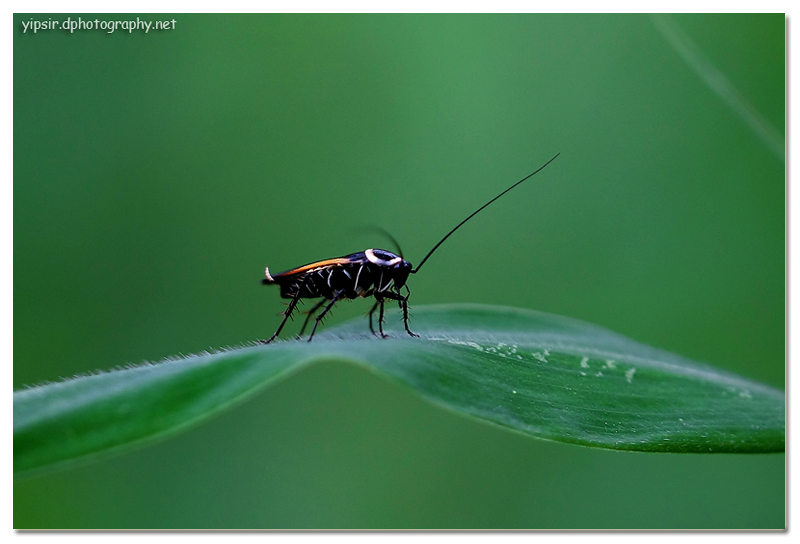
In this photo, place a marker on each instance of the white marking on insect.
(266, 271)
(346, 273)
(370, 253)
(355, 286)
(330, 273)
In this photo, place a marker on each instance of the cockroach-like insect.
(372, 272)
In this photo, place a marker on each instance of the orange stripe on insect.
(312, 266)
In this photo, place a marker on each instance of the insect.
(373, 272)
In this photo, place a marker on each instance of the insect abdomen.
(356, 280)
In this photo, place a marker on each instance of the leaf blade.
(538, 374)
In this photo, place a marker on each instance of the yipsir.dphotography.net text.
(109, 26)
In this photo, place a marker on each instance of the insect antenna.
(476, 212)
(391, 238)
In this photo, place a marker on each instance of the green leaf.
(538, 374)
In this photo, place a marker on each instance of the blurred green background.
(155, 175)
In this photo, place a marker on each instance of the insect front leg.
(404, 306)
(402, 301)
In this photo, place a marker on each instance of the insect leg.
(372, 311)
(402, 301)
(310, 313)
(325, 311)
(380, 320)
(404, 305)
(286, 314)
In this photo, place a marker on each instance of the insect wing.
(355, 258)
